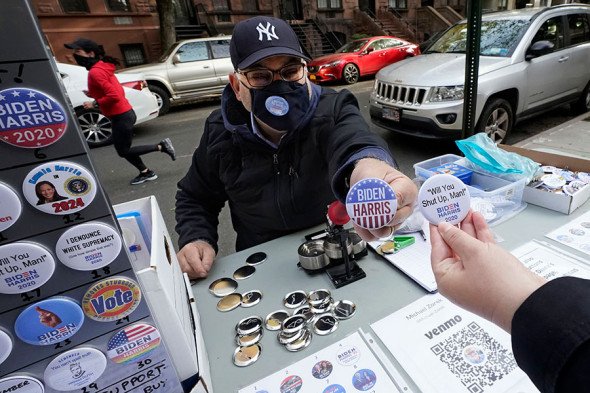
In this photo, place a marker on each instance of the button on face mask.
(444, 198)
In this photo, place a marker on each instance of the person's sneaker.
(143, 177)
(168, 148)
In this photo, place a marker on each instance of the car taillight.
(137, 85)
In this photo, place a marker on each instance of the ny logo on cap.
(269, 30)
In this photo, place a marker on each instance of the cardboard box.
(166, 289)
(559, 202)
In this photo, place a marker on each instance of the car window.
(351, 47)
(220, 49)
(390, 43)
(498, 38)
(579, 28)
(551, 30)
(193, 51)
(376, 45)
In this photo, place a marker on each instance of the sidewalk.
(571, 138)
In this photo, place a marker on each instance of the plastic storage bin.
(497, 199)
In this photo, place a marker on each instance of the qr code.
(475, 358)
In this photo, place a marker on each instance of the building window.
(327, 4)
(74, 5)
(133, 54)
(398, 4)
(118, 5)
(250, 5)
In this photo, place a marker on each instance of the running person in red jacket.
(109, 96)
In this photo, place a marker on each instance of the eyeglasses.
(262, 77)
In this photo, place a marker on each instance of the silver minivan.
(190, 69)
(531, 60)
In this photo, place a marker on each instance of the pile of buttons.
(562, 181)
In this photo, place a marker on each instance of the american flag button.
(133, 343)
(371, 203)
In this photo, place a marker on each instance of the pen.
(423, 235)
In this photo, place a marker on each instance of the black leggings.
(122, 137)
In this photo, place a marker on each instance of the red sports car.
(359, 58)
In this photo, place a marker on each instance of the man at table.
(279, 150)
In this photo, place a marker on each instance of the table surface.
(384, 290)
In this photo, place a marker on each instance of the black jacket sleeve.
(200, 196)
(551, 336)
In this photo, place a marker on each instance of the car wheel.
(583, 103)
(96, 127)
(162, 97)
(350, 74)
(496, 120)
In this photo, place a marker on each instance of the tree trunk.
(167, 23)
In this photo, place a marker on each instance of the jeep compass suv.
(530, 60)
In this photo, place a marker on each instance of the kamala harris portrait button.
(24, 266)
(10, 207)
(88, 246)
(59, 187)
(21, 384)
(75, 369)
(49, 321)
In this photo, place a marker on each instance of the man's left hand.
(405, 192)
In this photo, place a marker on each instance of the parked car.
(96, 128)
(531, 60)
(190, 69)
(360, 57)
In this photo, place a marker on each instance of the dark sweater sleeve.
(551, 336)
(200, 197)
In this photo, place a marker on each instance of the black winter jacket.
(272, 192)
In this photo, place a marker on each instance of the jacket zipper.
(275, 160)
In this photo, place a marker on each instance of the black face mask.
(281, 105)
(86, 62)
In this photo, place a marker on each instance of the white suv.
(190, 69)
(530, 60)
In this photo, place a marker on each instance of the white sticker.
(75, 369)
(348, 356)
(444, 198)
(24, 266)
(10, 207)
(59, 187)
(5, 347)
(21, 384)
(88, 246)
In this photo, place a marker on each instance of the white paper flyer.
(550, 262)
(447, 349)
(345, 366)
(574, 234)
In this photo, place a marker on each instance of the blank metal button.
(295, 299)
(256, 258)
(244, 272)
(344, 309)
(229, 302)
(249, 325)
(245, 356)
(251, 298)
(301, 343)
(249, 339)
(293, 324)
(274, 320)
(325, 324)
(223, 286)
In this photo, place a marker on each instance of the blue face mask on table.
(281, 105)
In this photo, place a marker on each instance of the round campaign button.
(88, 246)
(24, 266)
(344, 309)
(229, 302)
(10, 207)
(251, 298)
(111, 299)
(5, 346)
(371, 203)
(30, 118)
(256, 259)
(295, 299)
(133, 343)
(444, 198)
(274, 320)
(223, 286)
(244, 272)
(75, 369)
(21, 384)
(49, 321)
(245, 356)
(59, 187)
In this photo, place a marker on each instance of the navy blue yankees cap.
(260, 37)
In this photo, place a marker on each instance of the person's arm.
(549, 321)
(199, 200)
(109, 93)
(356, 153)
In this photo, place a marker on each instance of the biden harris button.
(371, 203)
